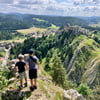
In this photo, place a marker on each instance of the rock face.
(71, 66)
(84, 64)
(93, 73)
(15, 94)
(75, 30)
(72, 95)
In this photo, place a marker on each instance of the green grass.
(53, 27)
(58, 96)
(89, 42)
(48, 88)
(85, 41)
(40, 20)
(0, 62)
(79, 39)
(2, 53)
(98, 35)
(44, 87)
(51, 91)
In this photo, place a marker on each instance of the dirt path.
(6, 57)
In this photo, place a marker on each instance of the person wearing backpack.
(33, 63)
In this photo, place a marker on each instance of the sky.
(52, 7)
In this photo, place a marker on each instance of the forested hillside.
(9, 34)
(11, 23)
(22, 21)
(78, 50)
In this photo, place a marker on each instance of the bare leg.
(25, 80)
(31, 81)
(35, 82)
(21, 82)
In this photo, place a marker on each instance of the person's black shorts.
(33, 73)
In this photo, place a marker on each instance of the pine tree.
(58, 73)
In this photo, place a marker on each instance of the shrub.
(4, 76)
(85, 90)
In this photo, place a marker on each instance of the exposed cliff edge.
(84, 65)
(77, 49)
(47, 90)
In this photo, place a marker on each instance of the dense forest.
(95, 19)
(22, 21)
(9, 34)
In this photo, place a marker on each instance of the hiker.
(21, 67)
(33, 63)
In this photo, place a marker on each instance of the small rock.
(11, 80)
(66, 96)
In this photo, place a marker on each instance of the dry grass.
(13, 40)
(31, 30)
(95, 25)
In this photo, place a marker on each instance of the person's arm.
(38, 63)
(15, 68)
(27, 66)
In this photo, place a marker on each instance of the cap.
(31, 51)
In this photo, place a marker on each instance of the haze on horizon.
(52, 7)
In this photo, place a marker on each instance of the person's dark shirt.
(21, 66)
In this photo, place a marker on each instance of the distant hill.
(15, 21)
(93, 20)
(12, 22)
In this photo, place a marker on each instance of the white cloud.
(6, 1)
(52, 7)
(78, 2)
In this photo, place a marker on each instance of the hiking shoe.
(20, 87)
(25, 84)
(35, 87)
(31, 88)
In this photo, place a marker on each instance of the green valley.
(69, 53)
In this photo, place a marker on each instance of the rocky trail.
(46, 90)
(13, 93)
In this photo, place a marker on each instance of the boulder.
(66, 96)
(11, 80)
(72, 95)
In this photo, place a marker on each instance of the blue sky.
(52, 7)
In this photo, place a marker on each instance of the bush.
(85, 90)
(4, 76)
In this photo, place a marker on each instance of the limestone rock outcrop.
(72, 95)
